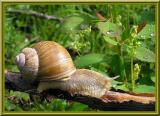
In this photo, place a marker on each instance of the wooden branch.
(111, 101)
(36, 14)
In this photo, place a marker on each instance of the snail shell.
(28, 63)
(46, 60)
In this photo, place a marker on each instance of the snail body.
(51, 65)
(83, 81)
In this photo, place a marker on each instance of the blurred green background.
(113, 39)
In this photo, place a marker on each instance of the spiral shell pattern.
(55, 63)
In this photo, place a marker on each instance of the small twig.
(36, 14)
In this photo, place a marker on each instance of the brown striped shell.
(53, 61)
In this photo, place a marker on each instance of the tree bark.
(111, 101)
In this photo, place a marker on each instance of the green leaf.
(153, 78)
(25, 96)
(121, 87)
(144, 89)
(89, 59)
(58, 104)
(20, 95)
(72, 23)
(109, 40)
(145, 54)
(147, 32)
(109, 29)
(76, 106)
(21, 23)
(116, 83)
(9, 106)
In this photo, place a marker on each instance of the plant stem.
(36, 14)
(132, 75)
(124, 71)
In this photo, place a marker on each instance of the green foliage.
(153, 79)
(147, 32)
(89, 59)
(145, 54)
(111, 47)
(110, 41)
(118, 66)
(78, 107)
(11, 106)
(20, 95)
(109, 27)
(122, 87)
(20, 101)
(72, 23)
(144, 89)
(54, 105)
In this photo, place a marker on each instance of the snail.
(50, 64)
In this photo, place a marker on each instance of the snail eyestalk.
(113, 78)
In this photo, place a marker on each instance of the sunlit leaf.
(153, 78)
(59, 105)
(110, 40)
(25, 96)
(89, 59)
(20, 95)
(144, 89)
(147, 32)
(116, 83)
(72, 23)
(145, 54)
(109, 29)
(121, 87)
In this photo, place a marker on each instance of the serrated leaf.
(109, 40)
(145, 54)
(147, 32)
(72, 23)
(144, 89)
(89, 59)
(109, 29)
